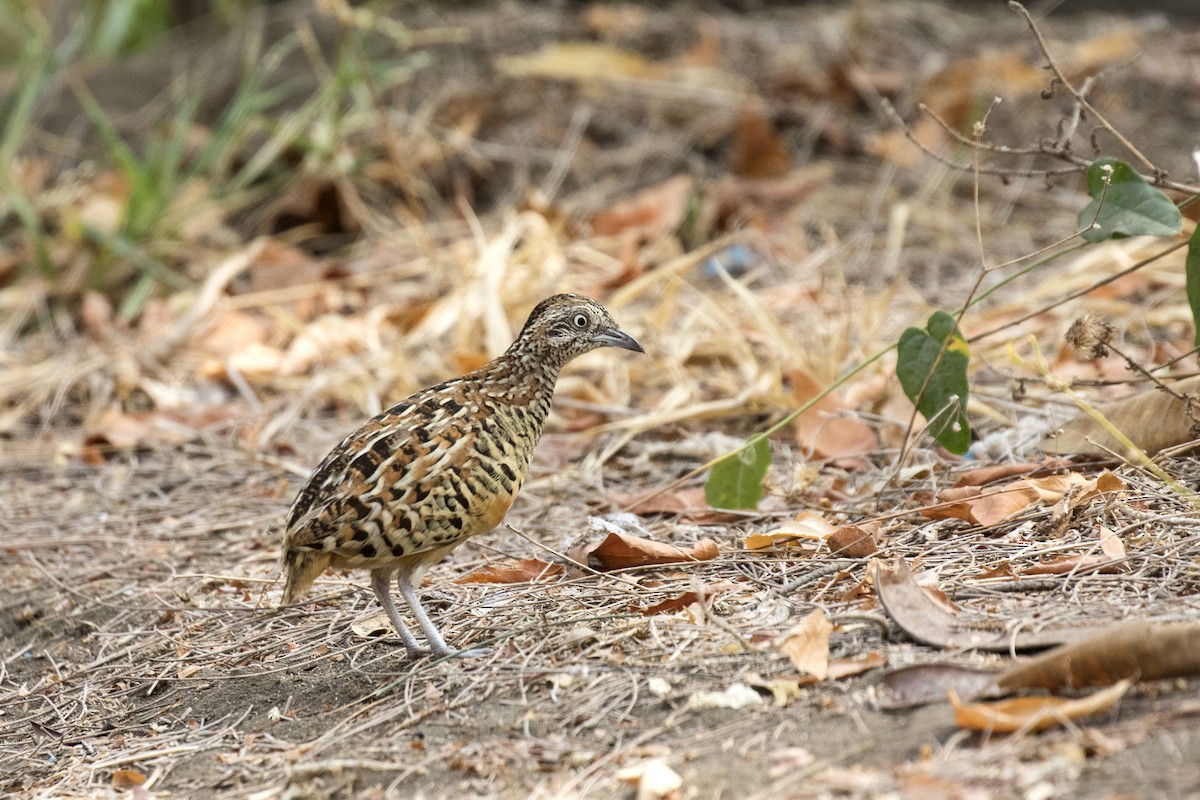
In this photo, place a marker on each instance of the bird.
(411, 484)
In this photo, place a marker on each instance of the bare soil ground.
(142, 654)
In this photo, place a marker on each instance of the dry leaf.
(1153, 420)
(579, 61)
(687, 598)
(650, 214)
(758, 151)
(807, 525)
(856, 541)
(372, 626)
(824, 429)
(127, 778)
(922, 684)
(1033, 713)
(1135, 650)
(918, 615)
(994, 472)
(1064, 565)
(807, 645)
(527, 570)
(685, 502)
(113, 429)
(983, 507)
(620, 550)
(654, 780)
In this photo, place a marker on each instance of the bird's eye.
(581, 321)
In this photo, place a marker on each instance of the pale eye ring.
(580, 321)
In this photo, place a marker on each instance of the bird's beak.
(611, 337)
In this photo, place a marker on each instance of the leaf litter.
(142, 528)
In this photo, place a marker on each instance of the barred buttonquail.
(406, 488)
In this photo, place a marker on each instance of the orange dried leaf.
(127, 778)
(620, 550)
(527, 570)
(758, 151)
(1033, 713)
(806, 526)
(994, 472)
(807, 645)
(687, 598)
(856, 541)
(984, 507)
(1064, 565)
(649, 214)
(824, 429)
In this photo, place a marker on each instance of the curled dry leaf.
(687, 598)
(527, 570)
(922, 618)
(807, 645)
(1066, 565)
(808, 526)
(620, 550)
(982, 476)
(1135, 650)
(1033, 713)
(373, 626)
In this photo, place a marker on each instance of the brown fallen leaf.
(1064, 565)
(824, 429)
(1033, 713)
(918, 615)
(807, 525)
(127, 778)
(984, 507)
(1135, 650)
(689, 503)
(649, 214)
(922, 684)
(807, 645)
(114, 429)
(687, 598)
(527, 570)
(1153, 420)
(994, 472)
(758, 151)
(856, 541)
(620, 550)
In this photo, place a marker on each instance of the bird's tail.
(301, 568)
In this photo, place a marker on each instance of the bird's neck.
(520, 376)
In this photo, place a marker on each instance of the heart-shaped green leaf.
(932, 367)
(736, 482)
(1192, 272)
(1131, 207)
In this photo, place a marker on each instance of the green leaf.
(924, 364)
(1192, 271)
(736, 482)
(1131, 207)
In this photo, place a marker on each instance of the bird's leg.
(379, 585)
(436, 642)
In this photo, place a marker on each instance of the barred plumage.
(415, 482)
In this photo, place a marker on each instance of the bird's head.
(564, 326)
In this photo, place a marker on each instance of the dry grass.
(140, 629)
